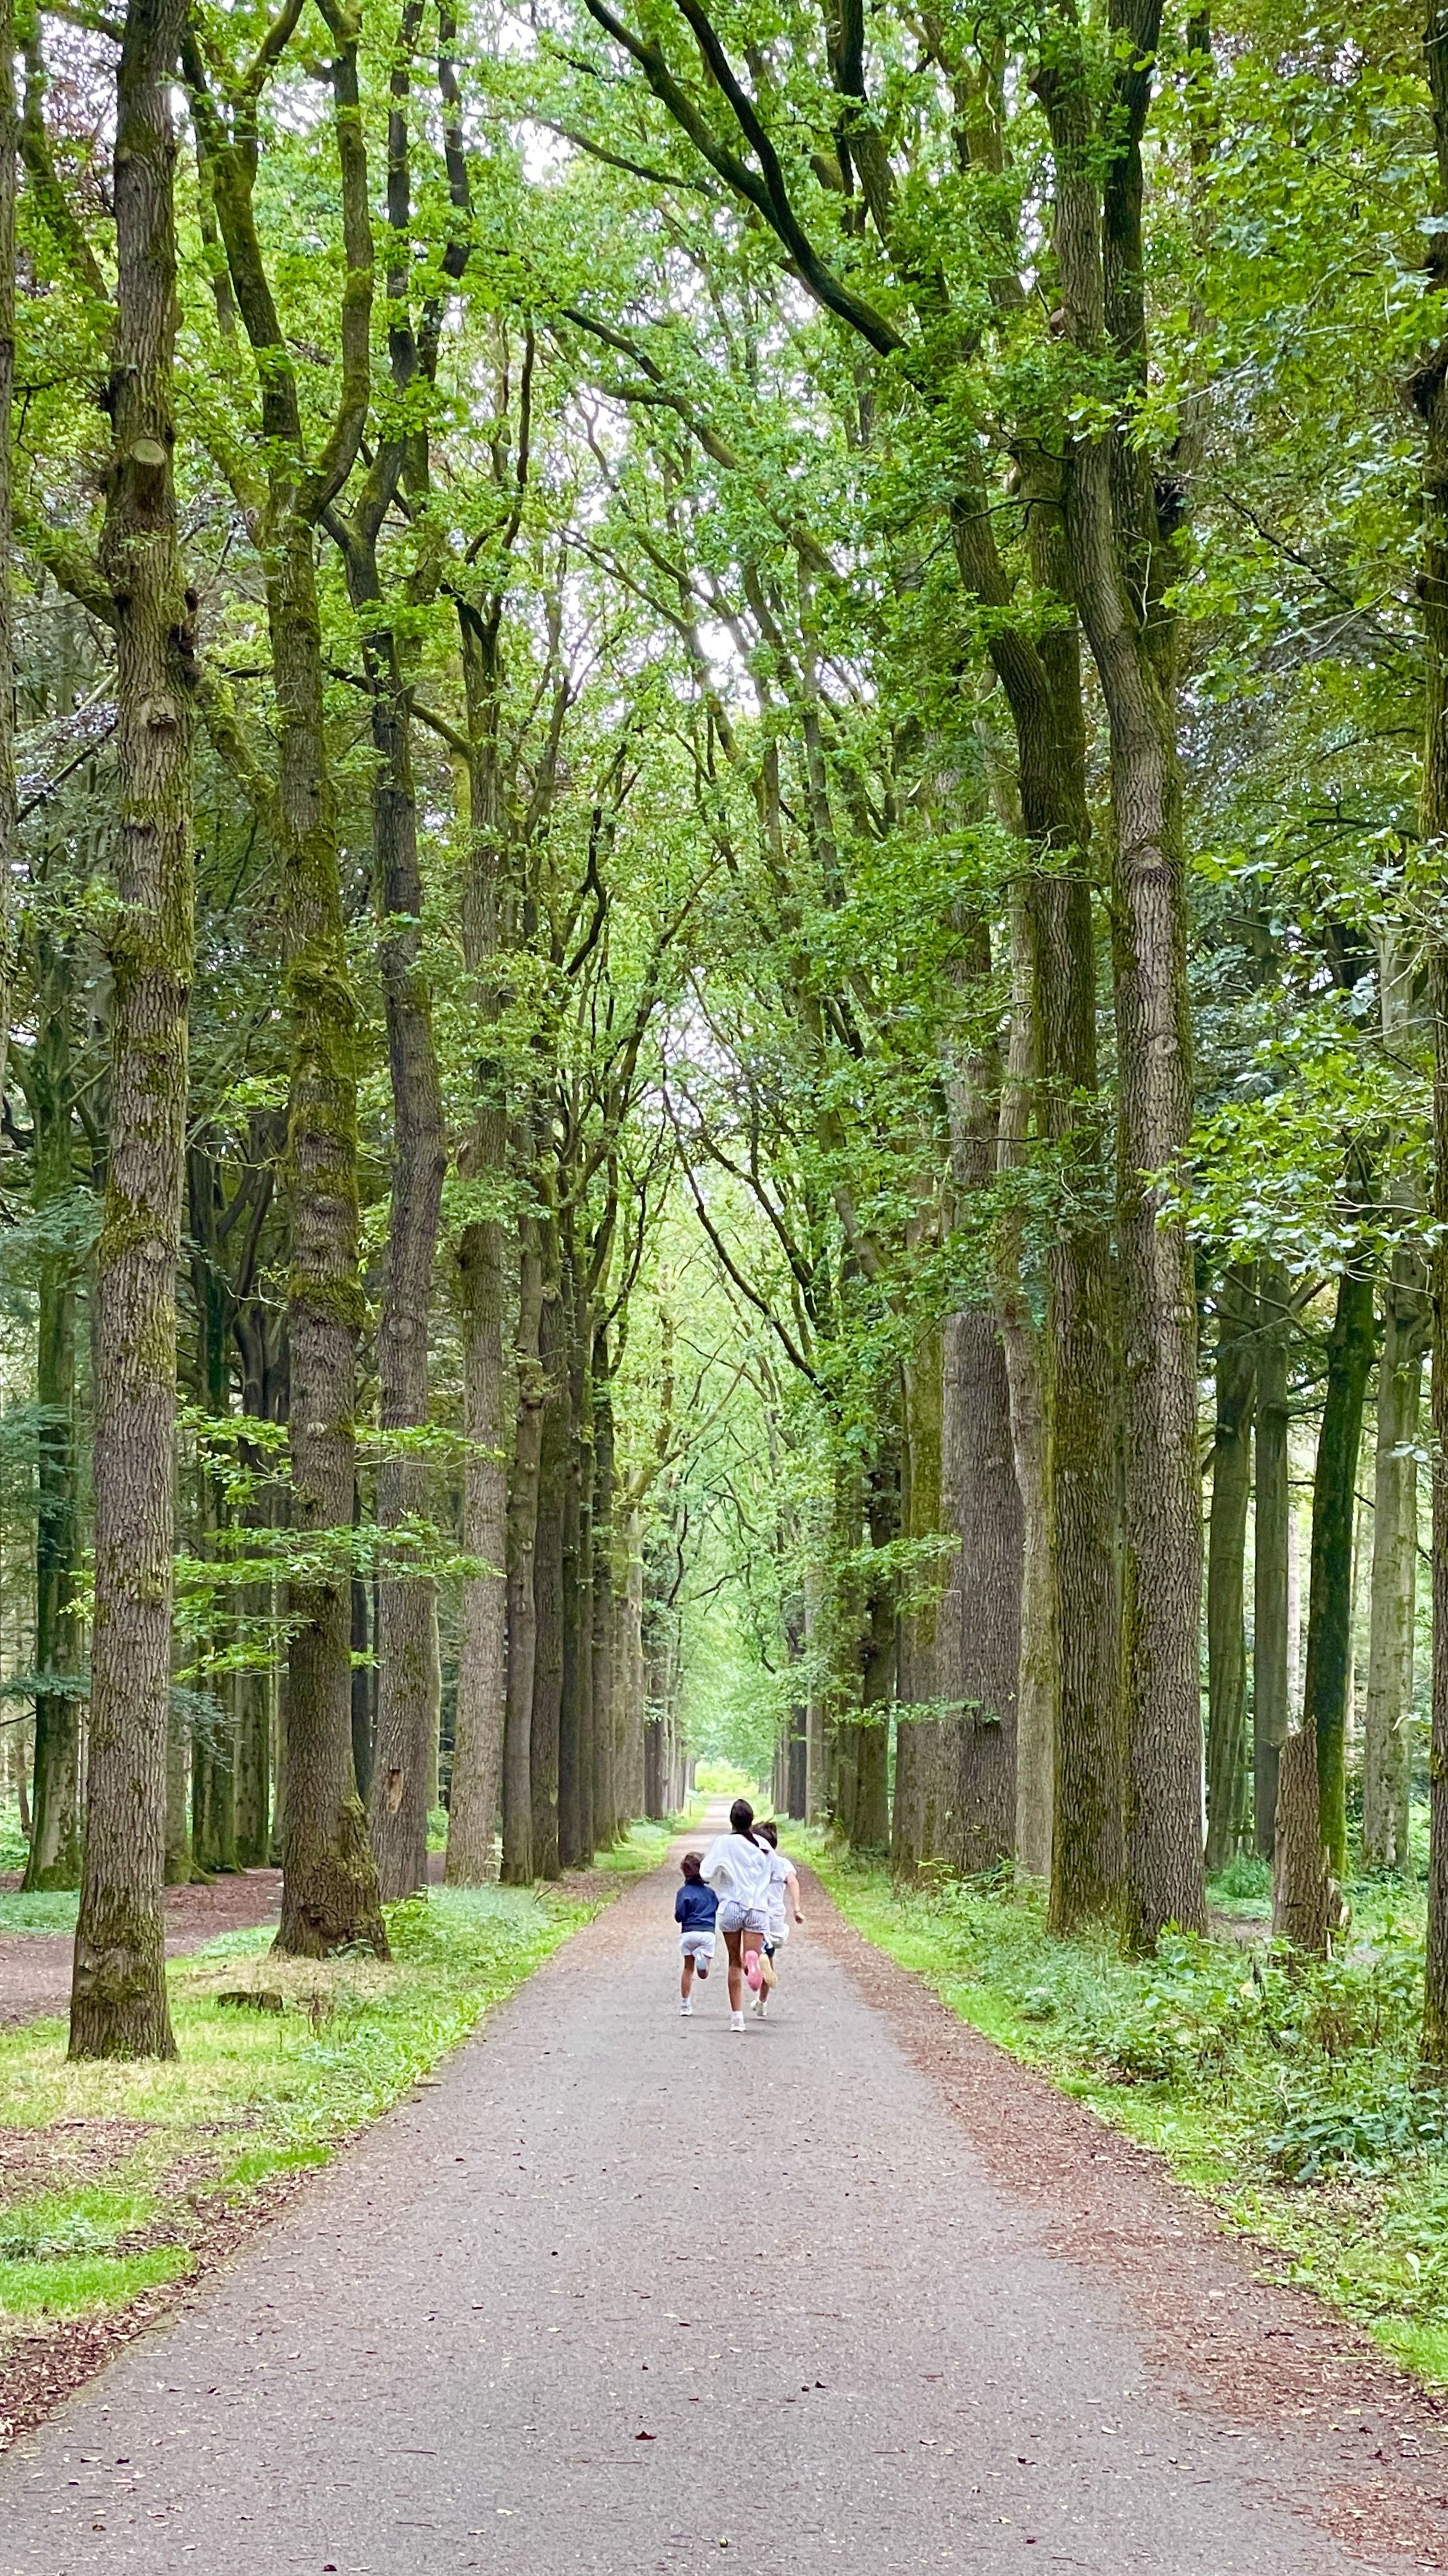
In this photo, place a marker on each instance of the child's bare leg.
(686, 1976)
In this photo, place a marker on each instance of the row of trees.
(730, 791)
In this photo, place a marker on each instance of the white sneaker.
(686, 2008)
(736, 2021)
(763, 2007)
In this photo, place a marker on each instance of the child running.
(695, 1907)
(783, 1901)
(738, 1870)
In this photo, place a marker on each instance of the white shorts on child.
(697, 1945)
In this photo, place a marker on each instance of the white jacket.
(738, 1870)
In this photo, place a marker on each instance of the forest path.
(872, 2298)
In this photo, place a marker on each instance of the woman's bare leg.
(733, 1943)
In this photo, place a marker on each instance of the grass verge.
(119, 2181)
(1283, 2096)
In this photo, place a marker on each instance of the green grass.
(51, 1909)
(1284, 2096)
(115, 2173)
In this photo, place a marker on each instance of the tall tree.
(118, 1995)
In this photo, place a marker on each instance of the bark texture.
(1330, 1598)
(1226, 1566)
(518, 1863)
(54, 1856)
(118, 1995)
(1113, 543)
(1387, 1714)
(1272, 1523)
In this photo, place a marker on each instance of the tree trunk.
(1272, 1525)
(1388, 1714)
(869, 1822)
(482, 1660)
(118, 1996)
(1111, 533)
(518, 1857)
(54, 1857)
(485, 1258)
(926, 1748)
(260, 1339)
(575, 1752)
(362, 1675)
(1081, 1427)
(982, 1500)
(543, 1750)
(329, 1892)
(605, 1801)
(1036, 1680)
(1226, 1567)
(1306, 1907)
(1330, 1605)
(408, 1673)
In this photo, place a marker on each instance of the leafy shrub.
(1369, 2136)
(1245, 1877)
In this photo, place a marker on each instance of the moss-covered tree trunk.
(518, 1861)
(575, 1723)
(1226, 1565)
(330, 1891)
(1116, 549)
(605, 1685)
(118, 1995)
(48, 1075)
(487, 1264)
(926, 1747)
(1388, 1706)
(1330, 1600)
(408, 1672)
(868, 1824)
(1271, 1522)
(1021, 1342)
(548, 1605)
(261, 1339)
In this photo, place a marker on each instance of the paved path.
(781, 2257)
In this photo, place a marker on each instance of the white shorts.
(734, 1917)
(697, 1945)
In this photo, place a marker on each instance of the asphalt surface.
(626, 2292)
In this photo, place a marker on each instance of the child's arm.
(792, 1883)
(679, 1907)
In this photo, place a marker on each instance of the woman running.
(738, 1870)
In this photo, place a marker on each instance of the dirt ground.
(35, 1966)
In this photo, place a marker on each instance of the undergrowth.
(116, 2177)
(1285, 2094)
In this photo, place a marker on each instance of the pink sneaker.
(753, 1972)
